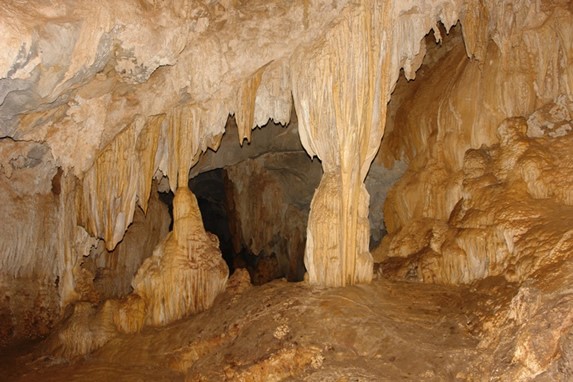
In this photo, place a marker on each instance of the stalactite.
(245, 115)
(274, 99)
(147, 144)
(179, 137)
(110, 188)
(475, 22)
(191, 130)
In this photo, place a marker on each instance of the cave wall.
(29, 302)
(474, 198)
(40, 241)
(122, 93)
(47, 259)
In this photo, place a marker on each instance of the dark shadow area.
(167, 198)
(209, 189)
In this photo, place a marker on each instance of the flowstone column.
(337, 234)
(340, 90)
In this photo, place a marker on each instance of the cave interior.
(226, 190)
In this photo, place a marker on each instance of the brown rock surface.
(283, 331)
(99, 100)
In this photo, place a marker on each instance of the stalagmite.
(186, 271)
(109, 111)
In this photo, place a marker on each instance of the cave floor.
(385, 331)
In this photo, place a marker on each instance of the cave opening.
(166, 197)
(256, 198)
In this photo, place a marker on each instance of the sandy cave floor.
(385, 331)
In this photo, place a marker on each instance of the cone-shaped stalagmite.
(186, 271)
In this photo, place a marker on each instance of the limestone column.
(340, 90)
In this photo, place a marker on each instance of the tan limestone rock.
(186, 271)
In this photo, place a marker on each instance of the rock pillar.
(340, 90)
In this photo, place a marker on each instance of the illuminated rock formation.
(183, 276)
(473, 198)
(138, 103)
(186, 271)
(512, 219)
(99, 100)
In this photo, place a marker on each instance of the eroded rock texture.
(99, 100)
(480, 188)
(33, 271)
(186, 271)
(513, 217)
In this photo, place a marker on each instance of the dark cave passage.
(216, 197)
(256, 198)
(209, 189)
(167, 199)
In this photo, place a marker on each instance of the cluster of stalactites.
(171, 143)
(121, 176)
(341, 84)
